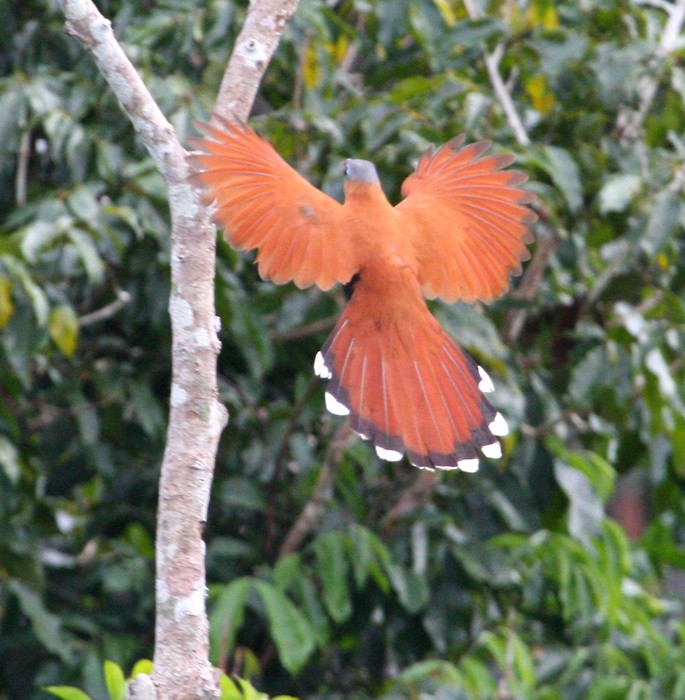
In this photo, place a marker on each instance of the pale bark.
(252, 52)
(196, 418)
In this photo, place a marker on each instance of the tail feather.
(408, 387)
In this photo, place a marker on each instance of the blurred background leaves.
(556, 572)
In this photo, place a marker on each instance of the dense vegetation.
(511, 583)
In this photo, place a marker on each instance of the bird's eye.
(346, 165)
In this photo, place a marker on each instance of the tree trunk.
(196, 418)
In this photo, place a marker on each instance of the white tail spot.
(485, 384)
(499, 426)
(468, 465)
(389, 455)
(335, 407)
(493, 451)
(320, 369)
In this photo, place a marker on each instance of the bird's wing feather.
(467, 220)
(263, 203)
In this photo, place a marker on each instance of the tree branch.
(107, 311)
(196, 418)
(252, 52)
(492, 61)
(412, 497)
(629, 124)
(313, 510)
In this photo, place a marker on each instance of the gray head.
(361, 170)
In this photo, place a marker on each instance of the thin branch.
(674, 26)
(23, 155)
(492, 61)
(412, 498)
(107, 311)
(516, 318)
(313, 328)
(311, 514)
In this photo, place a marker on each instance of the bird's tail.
(407, 386)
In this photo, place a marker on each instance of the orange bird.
(459, 233)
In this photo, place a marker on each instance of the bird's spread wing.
(263, 203)
(468, 221)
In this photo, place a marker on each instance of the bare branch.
(252, 52)
(313, 510)
(674, 26)
(412, 498)
(313, 328)
(492, 61)
(504, 96)
(516, 318)
(23, 155)
(107, 311)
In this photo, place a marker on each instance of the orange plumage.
(459, 233)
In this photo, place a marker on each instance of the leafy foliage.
(116, 683)
(512, 583)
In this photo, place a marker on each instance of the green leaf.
(142, 666)
(226, 617)
(64, 329)
(67, 692)
(147, 408)
(229, 689)
(6, 304)
(363, 555)
(522, 662)
(662, 222)
(445, 671)
(308, 596)
(248, 691)
(447, 11)
(290, 630)
(288, 570)
(46, 626)
(33, 291)
(586, 510)
(139, 537)
(114, 680)
(333, 568)
(478, 677)
(618, 192)
(563, 170)
(95, 268)
(598, 471)
(241, 492)
(410, 587)
(10, 460)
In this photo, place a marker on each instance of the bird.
(460, 232)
